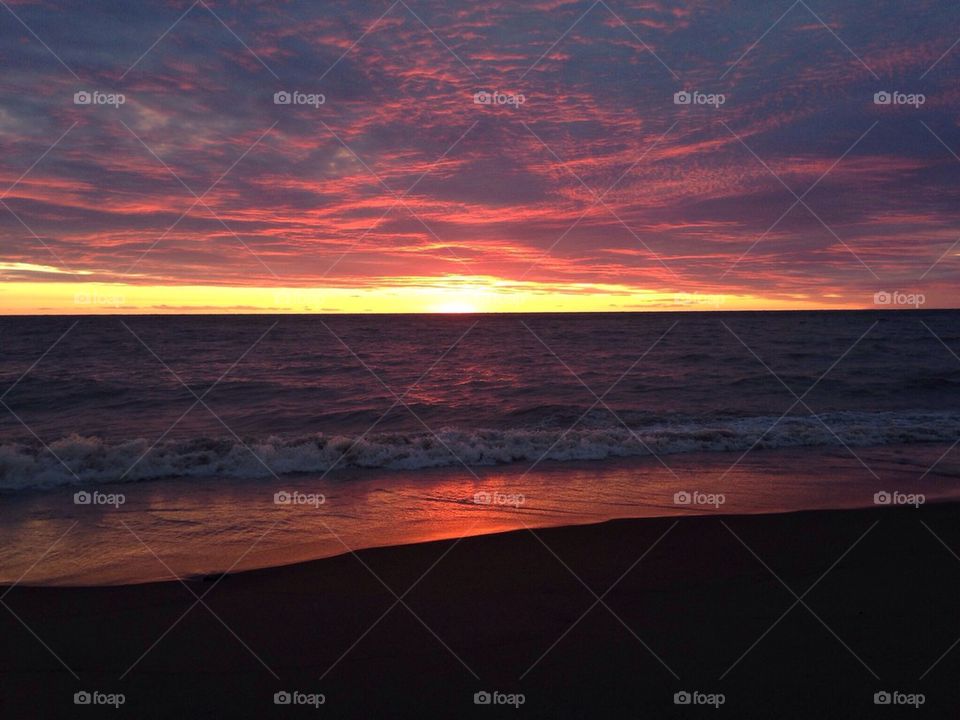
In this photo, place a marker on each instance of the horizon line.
(891, 308)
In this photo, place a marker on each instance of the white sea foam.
(78, 460)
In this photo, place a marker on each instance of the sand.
(691, 609)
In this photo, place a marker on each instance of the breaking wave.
(77, 459)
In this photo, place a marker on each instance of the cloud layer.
(784, 177)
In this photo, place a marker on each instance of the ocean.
(398, 422)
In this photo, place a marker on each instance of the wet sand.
(697, 604)
(206, 527)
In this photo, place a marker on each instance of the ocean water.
(125, 440)
(219, 398)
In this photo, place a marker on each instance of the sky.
(478, 156)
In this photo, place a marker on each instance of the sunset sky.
(584, 186)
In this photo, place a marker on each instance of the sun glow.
(446, 294)
(455, 306)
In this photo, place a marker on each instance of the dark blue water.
(117, 398)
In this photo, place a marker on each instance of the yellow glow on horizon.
(455, 306)
(448, 294)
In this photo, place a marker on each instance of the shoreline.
(690, 596)
(402, 547)
(201, 529)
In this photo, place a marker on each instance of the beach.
(418, 630)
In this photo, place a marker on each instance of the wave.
(78, 460)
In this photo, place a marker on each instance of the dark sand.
(493, 605)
